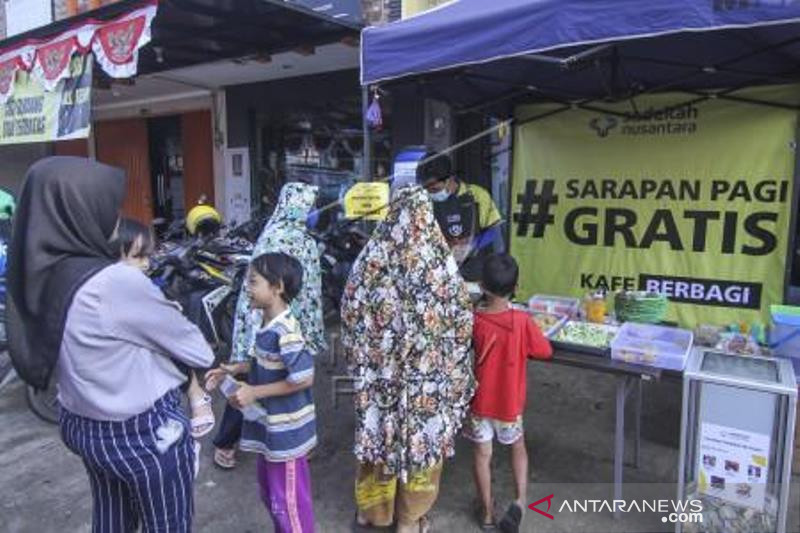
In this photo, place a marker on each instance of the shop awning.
(476, 53)
(180, 33)
(115, 44)
(47, 74)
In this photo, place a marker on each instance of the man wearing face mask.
(466, 213)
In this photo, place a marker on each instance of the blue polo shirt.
(289, 429)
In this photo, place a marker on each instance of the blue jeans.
(230, 428)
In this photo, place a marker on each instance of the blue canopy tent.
(481, 55)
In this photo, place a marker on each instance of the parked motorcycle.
(203, 274)
(204, 277)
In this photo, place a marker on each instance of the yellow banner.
(35, 115)
(692, 201)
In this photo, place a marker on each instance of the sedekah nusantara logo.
(603, 125)
(659, 122)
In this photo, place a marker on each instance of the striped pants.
(141, 469)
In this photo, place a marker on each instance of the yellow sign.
(691, 200)
(367, 200)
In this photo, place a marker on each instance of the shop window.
(320, 145)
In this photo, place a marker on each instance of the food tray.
(656, 346)
(564, 340)
(554, 304)
(549, 323)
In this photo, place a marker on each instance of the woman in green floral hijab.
(284, 232)
(406, 329)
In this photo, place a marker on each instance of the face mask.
(440, 196)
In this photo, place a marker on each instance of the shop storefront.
(160, 114)
(305, 128)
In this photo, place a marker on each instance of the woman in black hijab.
(110, 335)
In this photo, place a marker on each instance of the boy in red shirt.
(504, 338)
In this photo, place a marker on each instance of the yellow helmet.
(203, 219)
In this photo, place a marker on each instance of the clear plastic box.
(785, 335)
(555, 321)
(657, 346)
(560, 305)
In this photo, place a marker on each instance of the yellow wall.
(412, 7)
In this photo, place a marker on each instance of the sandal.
(480, 516)
(225, 459)
(202, 424)
(512, 519)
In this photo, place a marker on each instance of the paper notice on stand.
(405, 173)
(733, 465)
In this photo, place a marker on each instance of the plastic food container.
(549, 323)
(585, 337)
(657, 346)
(596, 309)
(554, 304)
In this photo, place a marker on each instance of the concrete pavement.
(569, 422)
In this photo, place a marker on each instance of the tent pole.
(583, 103)
(792, 240)
(699, 69)
(541, 58)
(586, 106)
(586, 54)
(510, 95)
(613, 75)
(540, 116)
(520, 85)
(568, 62)
(366, 163)
(745, 100)
(759, 51)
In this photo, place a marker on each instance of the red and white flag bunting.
(115, 44)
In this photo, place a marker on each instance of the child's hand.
(214, 377)
(244, 396)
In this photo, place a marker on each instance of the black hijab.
(67, 211)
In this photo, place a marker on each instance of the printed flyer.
(733, 465)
